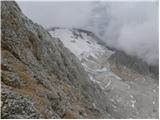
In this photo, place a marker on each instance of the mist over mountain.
(92, 60)
(126, 81)
(128, 26)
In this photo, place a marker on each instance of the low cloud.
(128, 26)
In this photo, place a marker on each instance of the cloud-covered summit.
(128, 26)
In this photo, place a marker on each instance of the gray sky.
(64, 14)
(128, 26)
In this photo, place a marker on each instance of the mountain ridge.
(133, 59)
(66, 74)
(40, 77)
(125, 80)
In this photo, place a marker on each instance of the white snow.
(80, 47)
(133, 103)
(108, 83)
(87, 48)
(104, 69)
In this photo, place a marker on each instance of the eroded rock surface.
(40, 77)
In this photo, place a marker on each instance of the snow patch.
(80, 47)
(87, 49)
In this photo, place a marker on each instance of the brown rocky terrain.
(69, 73)
(40, 77)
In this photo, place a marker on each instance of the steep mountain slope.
(129, 84)
(40, 77)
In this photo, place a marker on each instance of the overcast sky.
(128, 26)
(57, 13)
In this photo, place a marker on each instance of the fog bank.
(128, 26)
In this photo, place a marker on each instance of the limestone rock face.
(41, 78)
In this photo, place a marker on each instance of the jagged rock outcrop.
(41, 78)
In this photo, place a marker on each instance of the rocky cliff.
(40, 77)
(130, 85)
